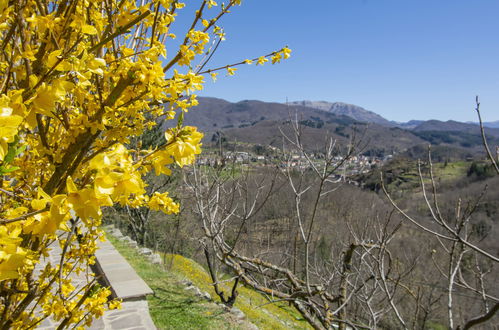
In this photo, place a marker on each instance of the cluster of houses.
(354, 165)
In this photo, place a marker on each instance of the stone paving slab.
(124, 281)
(133, 315)
(125, 284)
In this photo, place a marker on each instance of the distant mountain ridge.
(345, 109)
(454, 126)
(360, 114)
(489, 124)
(408, 125)
(258, 122)
(213, 114)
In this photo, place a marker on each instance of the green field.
(409, 179)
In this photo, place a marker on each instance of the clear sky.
(403, 59)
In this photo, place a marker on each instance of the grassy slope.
(172, 307)
(442, 173)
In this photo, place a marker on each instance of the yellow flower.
(47, 223)
(186, 147)
(41, 201)
(9, 125)
(46, 97)
(187, 55)
(211, 3)
(96, 65)
(78, 101)
(85, 202)
(66, 288)
(116, 175)
(161, 202)
(54, 58)
(286, 52)
(198, 36)
(262, 60)
(159, 162)
(283, 53)
(12, 256)
(276, 58)
(3, 5)
(114, 304)
(89, 29)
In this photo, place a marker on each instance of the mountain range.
(358, 113)
(490, 124)
(345, 109)
(258, 122)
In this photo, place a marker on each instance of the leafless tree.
(493, 160)
(468, 269)
(377, 273)
(354, 288)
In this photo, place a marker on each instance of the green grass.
(253, 304)
(435, 326)
(452, 170)
(409, 180)
(172, 307)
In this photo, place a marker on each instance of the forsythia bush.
(78, 79)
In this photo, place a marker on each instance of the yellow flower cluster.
(116, 177)
(11, 254)
(285, 53)
(161, 202)
(275, 57)
(185, 144)
(9, 125)
(78, 81)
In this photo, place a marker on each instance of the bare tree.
(493, 160)
(356, 286)
(385, 267)
(222, 196)
(467, 268)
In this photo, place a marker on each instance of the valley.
(366, 214)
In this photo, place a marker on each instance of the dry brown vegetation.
(341, 255)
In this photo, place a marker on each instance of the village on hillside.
(274, 157)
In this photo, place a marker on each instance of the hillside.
(177, 304)
(489, 124)
(410, 124)
(258, 122)
(492, 124)
(214, 114)
(373, 139)
(345, 213)
(454, 126)
(345, 109)
(456, 135)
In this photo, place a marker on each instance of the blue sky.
(403, 59)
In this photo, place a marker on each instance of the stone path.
(133, 315)
(125, 284)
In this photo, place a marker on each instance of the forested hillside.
(371, 247)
